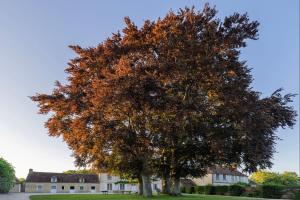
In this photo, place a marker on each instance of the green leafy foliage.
(297, 195)
(210, 189)
(183, 190)
(272, 191)
(236, 190)
(200, 189)
(7, 176)
(190, 190)
(265, 177)
(222, 189)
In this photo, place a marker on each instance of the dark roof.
(45, 177)
(221, 170)
(187, 182)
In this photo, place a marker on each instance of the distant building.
(221, 176)
(46, 182)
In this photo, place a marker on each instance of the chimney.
(30, 171)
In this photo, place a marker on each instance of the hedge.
(221, 190)
(236, 190)
(210, 189)
(272, 191)
(190, 190)
(182, 189)
(200, 189)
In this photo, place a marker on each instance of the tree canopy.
(79, 171)
(170, 99)
(7, 176)
(266, 177)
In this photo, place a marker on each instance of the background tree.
(7, 176)
(265, 177)
(170, 98)
(79, 171)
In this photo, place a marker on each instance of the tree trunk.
(147, 189)
(176, 187)
(166, 185)
(140, 185)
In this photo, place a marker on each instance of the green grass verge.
(132, 197)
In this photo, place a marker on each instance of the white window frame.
(53, 179)
(81, 180)
(122, 186)
(39, 188)
(109, 186)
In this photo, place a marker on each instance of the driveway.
(15, 196)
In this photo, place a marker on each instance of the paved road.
(15, 196)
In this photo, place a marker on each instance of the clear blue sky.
(34, 39)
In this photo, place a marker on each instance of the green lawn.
(131, 197)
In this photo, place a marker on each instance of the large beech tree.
(170, 99)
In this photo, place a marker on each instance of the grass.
(132, 197)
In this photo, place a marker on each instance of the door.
(93, 189)
(53, 189)
(72, 189)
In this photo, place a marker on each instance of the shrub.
(183, 190)
(272, 191)
(252, 192)
(297, 195)
(236, 190)
(221, 190)
(190, 190)
(210, 189)
(200, 189)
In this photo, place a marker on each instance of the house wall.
(16, 188)
(104, 181)
(46, 187)
(206, 180)
(229, 179)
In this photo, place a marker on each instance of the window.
(62, 187)
(39, 188)
(239, 179)
(109, 177)
(122, 186)
(81, 180)
(53, 187)
(72, 188)
(109, 186)
(224, 177)
(155, 186)
(232, 178)
(93, 187)
(217, 176)
(81, 187)
(53, 179)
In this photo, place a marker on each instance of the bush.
(297, 195)
(200, 189)
(236, 190)
(221, 190)
(272, 191)
(210, 189)
(252, 192)
(183, 190)
(190, 190)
